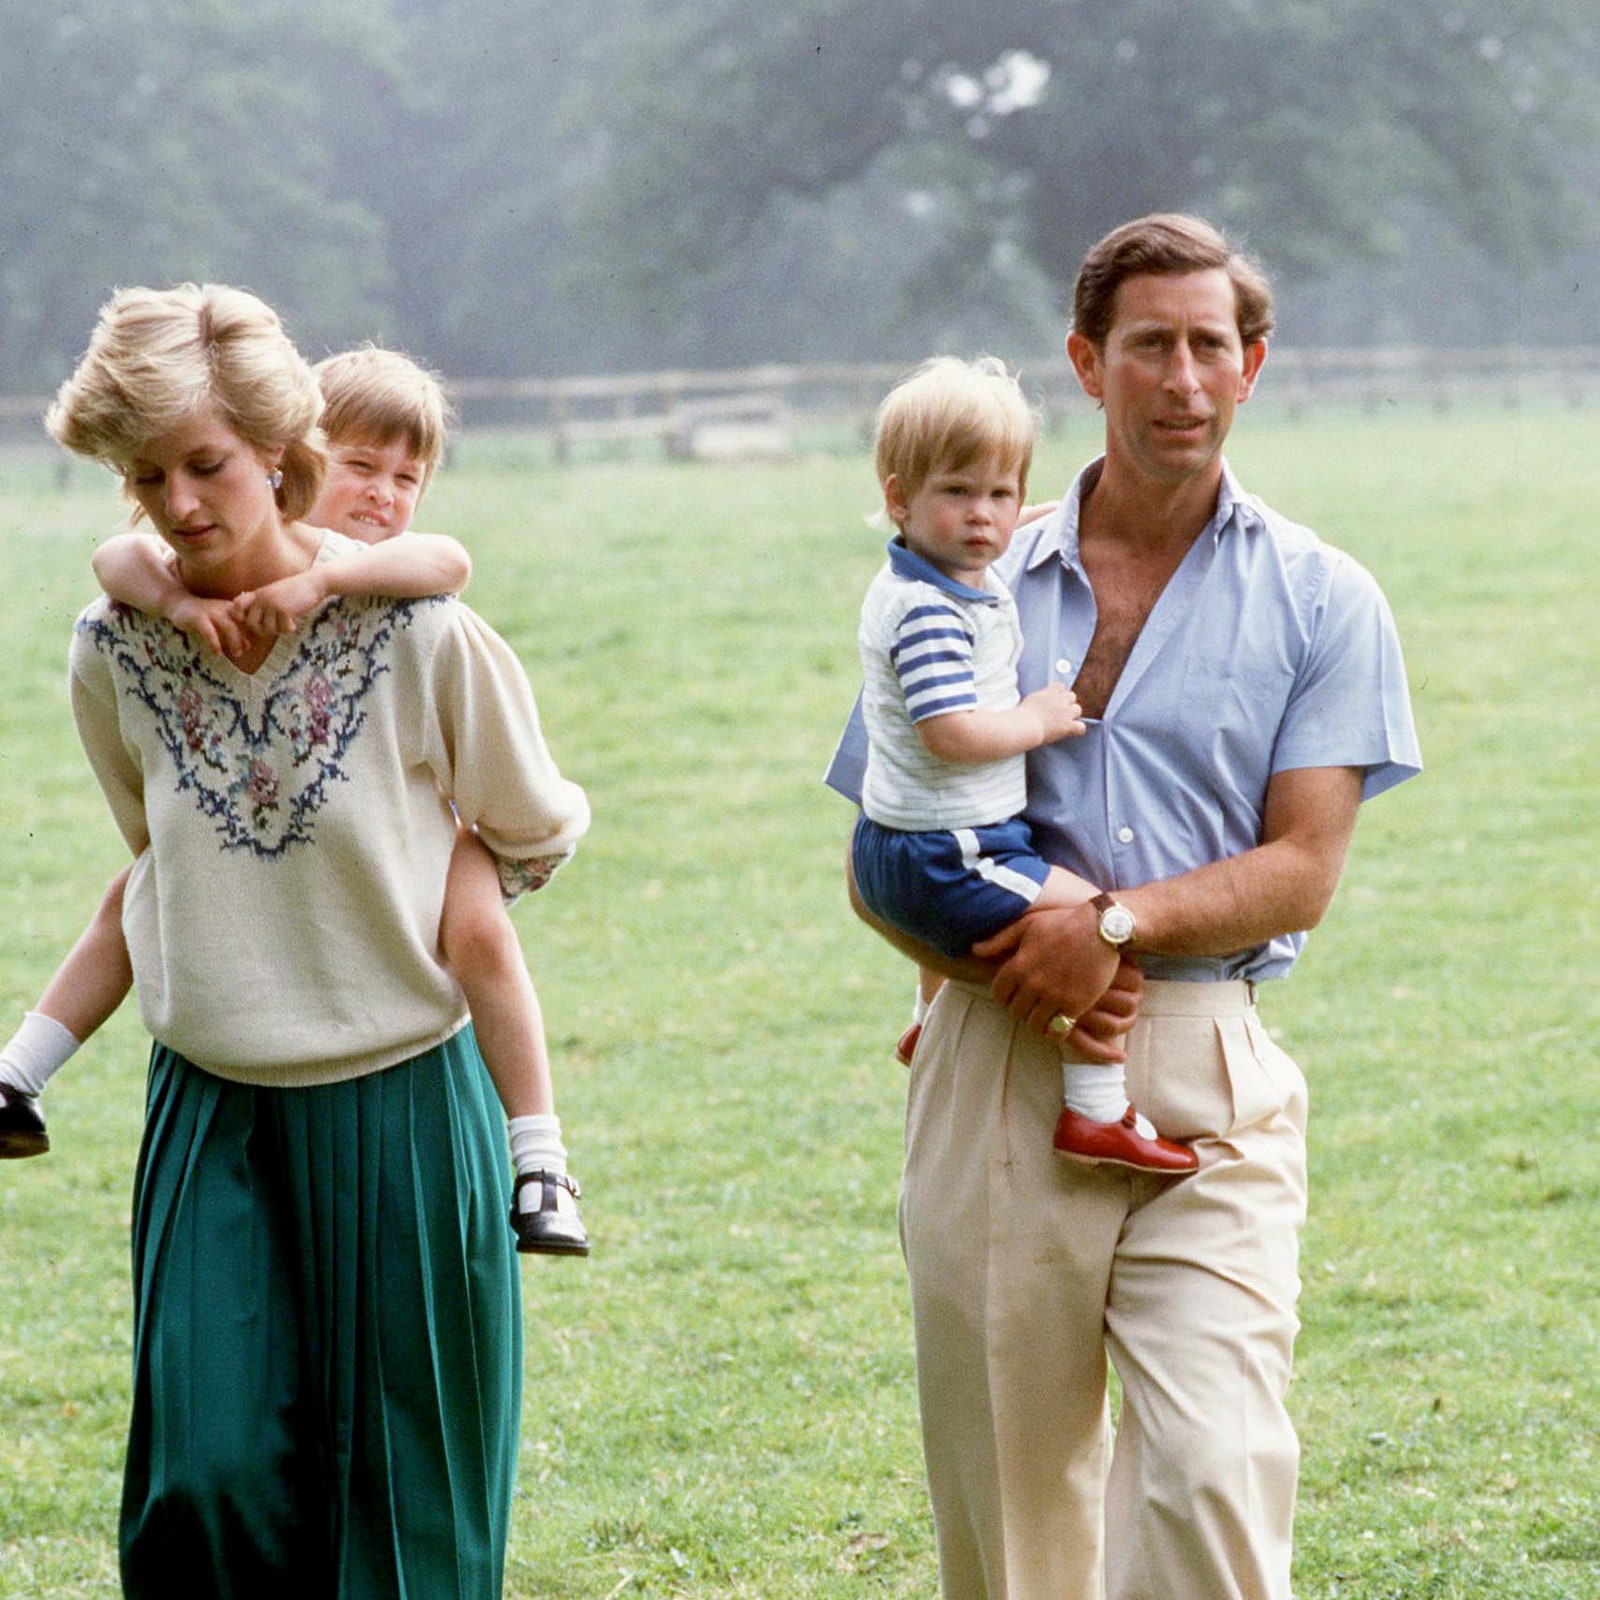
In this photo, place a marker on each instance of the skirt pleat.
(327, 1337)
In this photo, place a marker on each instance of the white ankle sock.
(1098, 1092)
(535, 1143)
(35, 1053)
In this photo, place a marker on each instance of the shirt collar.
(908, 564)
(1059, 536)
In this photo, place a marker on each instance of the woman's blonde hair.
(379, 397)
(950, 414)
(157, 356)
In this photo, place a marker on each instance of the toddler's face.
(960, 519)
(371, 490)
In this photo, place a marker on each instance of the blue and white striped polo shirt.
(931, 645)
(1267, 651)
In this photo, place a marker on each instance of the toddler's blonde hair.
(950, 414)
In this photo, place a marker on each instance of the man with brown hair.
(1244, 691)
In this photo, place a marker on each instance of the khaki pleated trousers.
(1028, 1271)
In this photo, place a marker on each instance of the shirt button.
(1125, 835)
(1063, 668)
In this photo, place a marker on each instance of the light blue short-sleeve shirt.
(1267, 651)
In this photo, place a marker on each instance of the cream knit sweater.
(291, 828)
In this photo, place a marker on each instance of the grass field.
(720, 1401)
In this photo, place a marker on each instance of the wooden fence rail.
(760, 410)
(664, 407)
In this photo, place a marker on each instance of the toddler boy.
(940, 850)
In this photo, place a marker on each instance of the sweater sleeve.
(491, 759)
(96, 711)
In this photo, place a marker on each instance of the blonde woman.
(326, 1326)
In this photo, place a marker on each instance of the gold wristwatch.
(1116, 921)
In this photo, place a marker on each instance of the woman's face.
(206, 492)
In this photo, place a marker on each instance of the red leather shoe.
(907, 1046)
(1120, 1144)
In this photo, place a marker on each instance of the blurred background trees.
(521, 186)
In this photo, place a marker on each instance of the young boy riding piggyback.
(385, 420)
(941, 851)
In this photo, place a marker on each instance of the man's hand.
(282, 606)
(1054, 963)
(1101, 1029)
(214, 623)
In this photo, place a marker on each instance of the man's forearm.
(1283, 885)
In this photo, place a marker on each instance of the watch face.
(1116, 924)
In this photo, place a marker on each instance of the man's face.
(1170, 374)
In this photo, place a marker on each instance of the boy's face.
(960, 519)
(371, 491)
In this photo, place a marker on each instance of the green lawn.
(720, 1400)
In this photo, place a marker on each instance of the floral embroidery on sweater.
(518, 878)
(260, 767)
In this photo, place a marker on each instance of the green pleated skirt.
(327, 1338)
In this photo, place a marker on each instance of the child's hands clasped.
(215, 623)
(233, 627)
(282, 606)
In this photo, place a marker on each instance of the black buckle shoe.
(555, 1229)
(21, 1127)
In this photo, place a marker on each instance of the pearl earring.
(275, 479)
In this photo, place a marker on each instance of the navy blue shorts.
(948, 889)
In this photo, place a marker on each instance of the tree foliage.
(509, 186)
(1304, 124)
(160, 140)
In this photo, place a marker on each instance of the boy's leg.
(1098, 1124)
(87, 987)
(929, 983)
(97, 974)
(481, 948)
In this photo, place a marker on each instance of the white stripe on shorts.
(1018, 883)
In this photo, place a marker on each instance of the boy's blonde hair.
(157, 356)
(380, 396)
(950, 414)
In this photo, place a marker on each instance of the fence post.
(560, 438)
